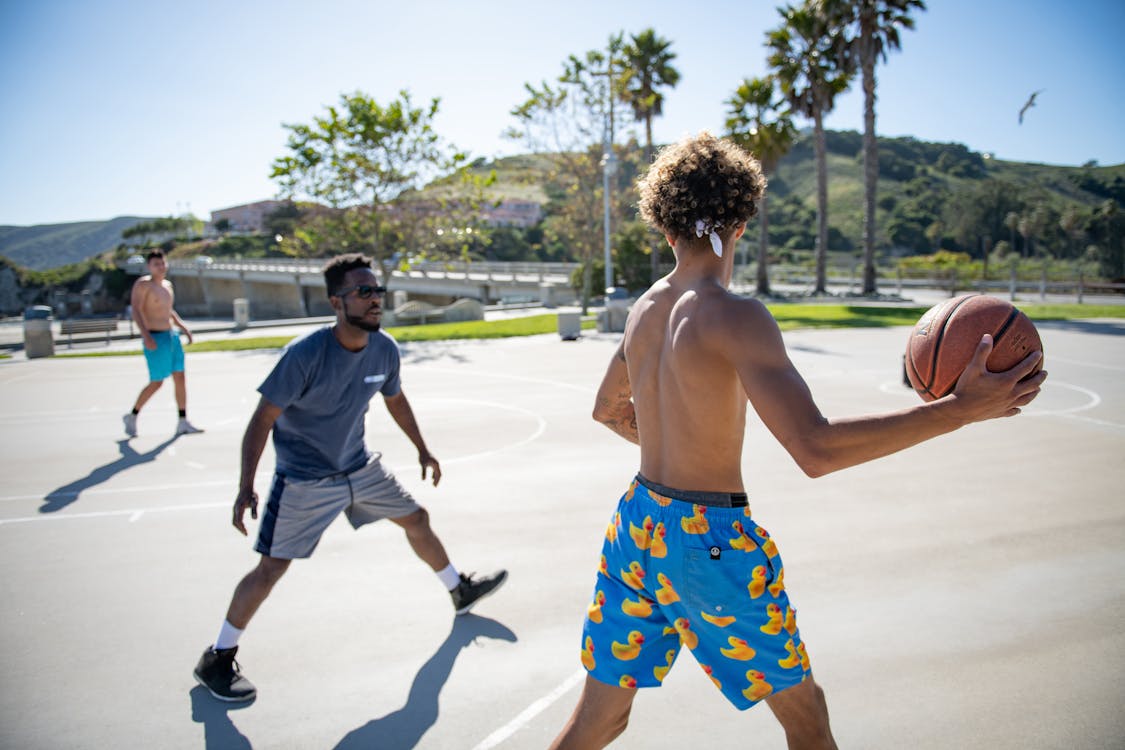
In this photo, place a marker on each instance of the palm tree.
(647, 68)
(876, 24)
(1012, 222)
(757, 122)
(804, 56)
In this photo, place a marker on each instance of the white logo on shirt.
(374, 379)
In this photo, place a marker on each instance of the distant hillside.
(46, 246)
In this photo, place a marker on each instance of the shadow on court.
(404, 728)
(219, 732)
(59, 498)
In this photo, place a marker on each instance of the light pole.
(609, 166)
(609, 162)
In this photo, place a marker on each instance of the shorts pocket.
(717, 581)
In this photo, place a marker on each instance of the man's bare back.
(690, 405)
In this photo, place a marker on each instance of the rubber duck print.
(743, 540)
(661, 672)
(791, 621)
(759, 688)
(603, 567)
(659, 499)
(588, 654)
(594, 611)
(611, 530)
(793, 660)
(635, 576)
(630, 650)
(659, 548)
(739, 650)
(719, 621)
(779, 584)
(627, 682)
(696, 523)
(665, 594)
(642, 537)
(640, 608)
(757, 585)
(767, 544)
(804, 656)
(631, 491)
(709, 672)
(687, 636)
(773, 627)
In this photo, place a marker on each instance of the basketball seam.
(937, 350)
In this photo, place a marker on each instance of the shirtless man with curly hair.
(684, 562)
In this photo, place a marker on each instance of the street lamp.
(609, 166)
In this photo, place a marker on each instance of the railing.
(489, 270)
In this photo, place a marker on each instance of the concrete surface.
(966, 593)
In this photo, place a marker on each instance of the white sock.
(449, 577)
(228, 636)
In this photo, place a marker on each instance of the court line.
(136, 513)
(529, 713)
(133, 513)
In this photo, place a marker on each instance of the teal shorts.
(167, 357)
(693, 569)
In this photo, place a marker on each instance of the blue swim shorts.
(167, 357)
(692, 568)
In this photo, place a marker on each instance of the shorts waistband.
(714, 499)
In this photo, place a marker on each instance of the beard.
(361, 322)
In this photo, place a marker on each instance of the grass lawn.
(788, 316)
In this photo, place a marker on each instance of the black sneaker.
(472, 590)
(219, 673)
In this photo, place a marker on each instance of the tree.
(805, 57)
(647, 61)
(875, 26)
(567, 122)
(361, 156)
(1012, 222)
(757, 121)
(1071, 224)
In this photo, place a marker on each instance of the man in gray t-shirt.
(314, 402)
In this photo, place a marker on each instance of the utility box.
(241, 314)
(38, 341)
(612, 319)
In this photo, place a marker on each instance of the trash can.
(241, 313)
(570, 324)
(38, 341)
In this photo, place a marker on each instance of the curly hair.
(335, 269)
(701, 178)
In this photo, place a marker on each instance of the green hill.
(46, 246)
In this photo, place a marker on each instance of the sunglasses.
(363, 291)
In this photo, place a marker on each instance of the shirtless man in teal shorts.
(690, 566)
(152, 300)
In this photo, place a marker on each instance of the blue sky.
(154, 108)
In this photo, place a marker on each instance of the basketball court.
(964, 593)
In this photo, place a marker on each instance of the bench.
(72, 326)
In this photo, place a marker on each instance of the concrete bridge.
(285, 288)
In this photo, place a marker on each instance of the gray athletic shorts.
(298, 511)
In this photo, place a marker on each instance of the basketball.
(945, 338)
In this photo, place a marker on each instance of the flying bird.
(1030, 103)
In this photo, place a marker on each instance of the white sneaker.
(130, 421)
(185, 427)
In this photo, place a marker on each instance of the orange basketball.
(943, 341)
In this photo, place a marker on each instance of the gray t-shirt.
(323, 391)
